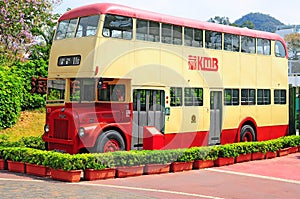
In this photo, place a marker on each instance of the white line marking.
(254, 176)
(18, 180)
(150, 190)
(119, 187)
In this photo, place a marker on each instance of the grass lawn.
(31, 123)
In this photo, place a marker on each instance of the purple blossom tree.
(21, 22)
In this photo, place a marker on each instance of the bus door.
(148, 110)
(215, 117)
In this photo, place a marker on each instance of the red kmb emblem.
(203, 63)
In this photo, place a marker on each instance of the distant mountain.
(261, 21)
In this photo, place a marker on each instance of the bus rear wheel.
(110, 141)
(247, 134)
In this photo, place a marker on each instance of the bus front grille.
(61, 129)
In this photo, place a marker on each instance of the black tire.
(110, 141)
(247, 134)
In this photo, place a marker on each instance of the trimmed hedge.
(132, 158)
(10, 98)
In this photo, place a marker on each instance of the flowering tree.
(20, 22)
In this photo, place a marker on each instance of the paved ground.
(265, 179)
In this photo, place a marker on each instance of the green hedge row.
(131, 158)
(15, 90)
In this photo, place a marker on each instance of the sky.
(287, 11)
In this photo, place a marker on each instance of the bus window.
(66, 29)
(263, 96)
(114, 93)
(193, 37)
(87, 26)
(193, 97)
(279, 96)
(176, 96)
(248, 44)
(279, 49)
(171, 34)
(118, 27)
(56, 91)
(231, 42)
(231, 97)
(248, 97)
(147, 30)
(263, 46)
(213, 40)
(82, 90)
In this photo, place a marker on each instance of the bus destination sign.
(203, 63)
(73, 60)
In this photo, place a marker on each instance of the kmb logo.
(203, 63)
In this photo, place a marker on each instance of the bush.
(26, 70)
(10, 98)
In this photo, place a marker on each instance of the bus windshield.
(79, 27)
(56, 91)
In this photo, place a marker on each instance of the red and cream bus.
(121, 78)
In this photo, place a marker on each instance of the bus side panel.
(186, 140)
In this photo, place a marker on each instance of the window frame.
(250, 98)
(234, 97)
(118, 32)
(282, 97)
(265, 98)
(176, 97)
(190, 99)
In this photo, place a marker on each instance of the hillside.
(261, 21)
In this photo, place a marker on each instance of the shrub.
(99, 161)
(160, 157)
(25, 71)
(16, 154)
(10, 98)
(129, 158)
(227, 151)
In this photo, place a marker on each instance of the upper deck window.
(147, 30)
(193, 37)
(85, 26)
(171, 34)
(118, 27)
(263, 46)
(213, 40)
(279, 49)
(231, 42)
(248, 44)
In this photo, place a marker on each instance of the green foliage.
(260, 21)
(227, 151)
(129, 158)
(21, 22)
(100, 161)
(10, 98)
(204, 153)
(29, 142)
(26, 70)
(160, 157)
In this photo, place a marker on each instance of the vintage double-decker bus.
(121, 78)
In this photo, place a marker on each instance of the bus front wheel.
(110, 141)
(247, 134)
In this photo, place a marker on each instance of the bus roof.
(109, 8)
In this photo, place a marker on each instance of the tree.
(220, 20)
(248, 24)
(20, 24)
(293, 44)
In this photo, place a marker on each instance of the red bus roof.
(109, 8)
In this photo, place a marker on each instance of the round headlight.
(46, 128)
(81, 132)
